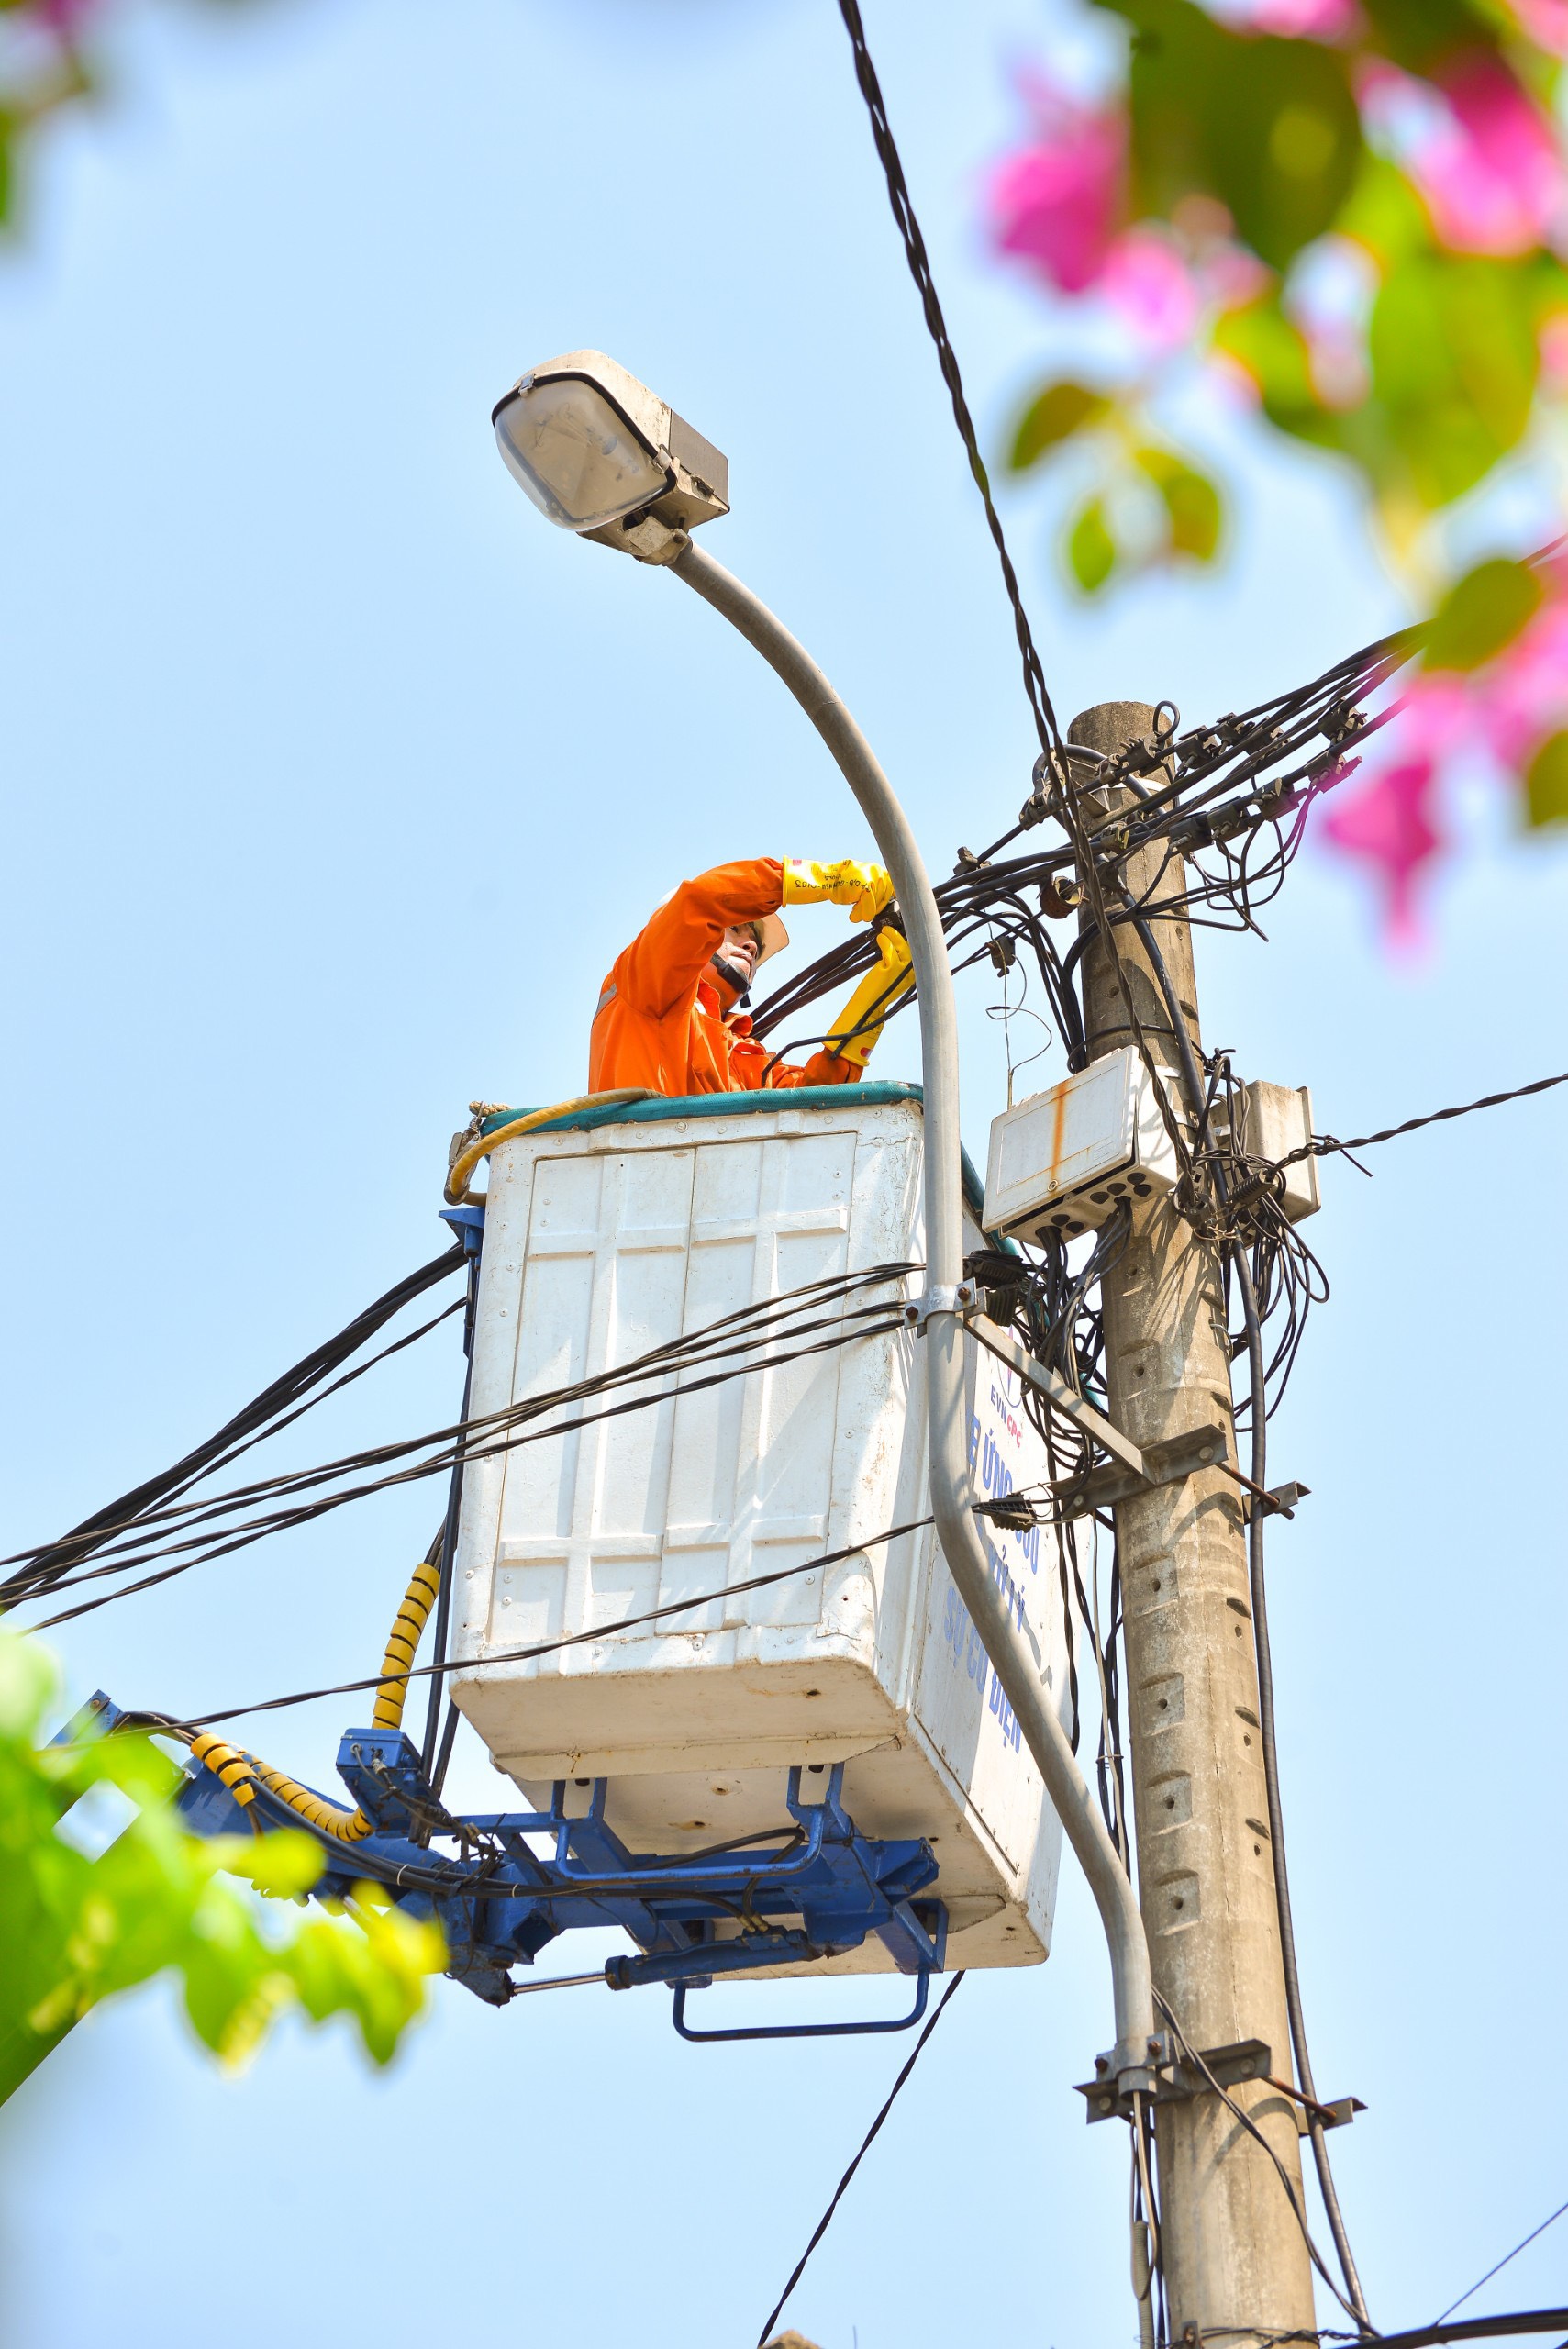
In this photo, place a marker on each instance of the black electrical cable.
(546, 1647)
(761, 1319)
(57, 1558)
(915, 251)
(444, 1751)
(1478, 2328)
(1287, 1274)
(1258, 1592)
(1238, 2112)
(826, 2221)
(109, 1539)
(436, 1750)
(1523, 2246)
(1224, 793)
(749, 1326)
(766, 1323)
(287, 1521)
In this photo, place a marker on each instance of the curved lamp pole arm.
(1010, 1649)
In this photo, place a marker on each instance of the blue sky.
(336, 779)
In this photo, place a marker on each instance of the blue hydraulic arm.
(813, 1890)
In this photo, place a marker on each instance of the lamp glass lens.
(575, 455)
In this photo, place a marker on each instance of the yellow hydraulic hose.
(241, 1772)
(327, 1818)
(226, 1761)
(470, 1154)
(401, 1642)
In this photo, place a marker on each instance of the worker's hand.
(865, 888)
(862, 1021)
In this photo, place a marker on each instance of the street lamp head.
(600, 454)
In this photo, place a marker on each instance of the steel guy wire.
(1322, 1145)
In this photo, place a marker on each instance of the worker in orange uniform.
(670, 1015)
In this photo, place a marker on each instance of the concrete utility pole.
(1233, 2252)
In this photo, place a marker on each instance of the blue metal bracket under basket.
(812, 1889)
(932, 1910)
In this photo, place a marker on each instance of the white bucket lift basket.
(603, 1240)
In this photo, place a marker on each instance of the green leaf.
(1191, 501)
(283, 1864)
(28, 1674)
(1546, 782)
(75, 1931)
(1059, 411)
(1548, 286)
(1454, 360)
(1091, 550)
(1419, 34)
(1273, 352)
(1482, 613)
(1268, 125)
(1384, 212)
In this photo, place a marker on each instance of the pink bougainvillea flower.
(1523, 696)
(64, 17)
(1502, 713)
(1231, 276)
(1055, 203)
(1434, 716)
(1483, 155)
(1553, 340)
(1296, 20)
(1389, 824)
(1148, 283)
(1545, 21)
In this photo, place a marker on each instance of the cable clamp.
(941, 1299)
(1133, 2066)
(1167, 2079)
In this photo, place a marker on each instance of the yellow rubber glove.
(865, 888)
(873, 1000)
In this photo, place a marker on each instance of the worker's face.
(738, 952)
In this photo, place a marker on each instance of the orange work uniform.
(660, 1021)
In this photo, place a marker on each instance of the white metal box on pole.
(1274, 1120)
(605, 1240)
(1061, 1161)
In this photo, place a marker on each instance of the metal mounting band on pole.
(1009, 1647)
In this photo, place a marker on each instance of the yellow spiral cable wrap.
(226, 1761)
(241, 1772)
(402, 1641)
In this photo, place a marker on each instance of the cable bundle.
(813, 1318)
